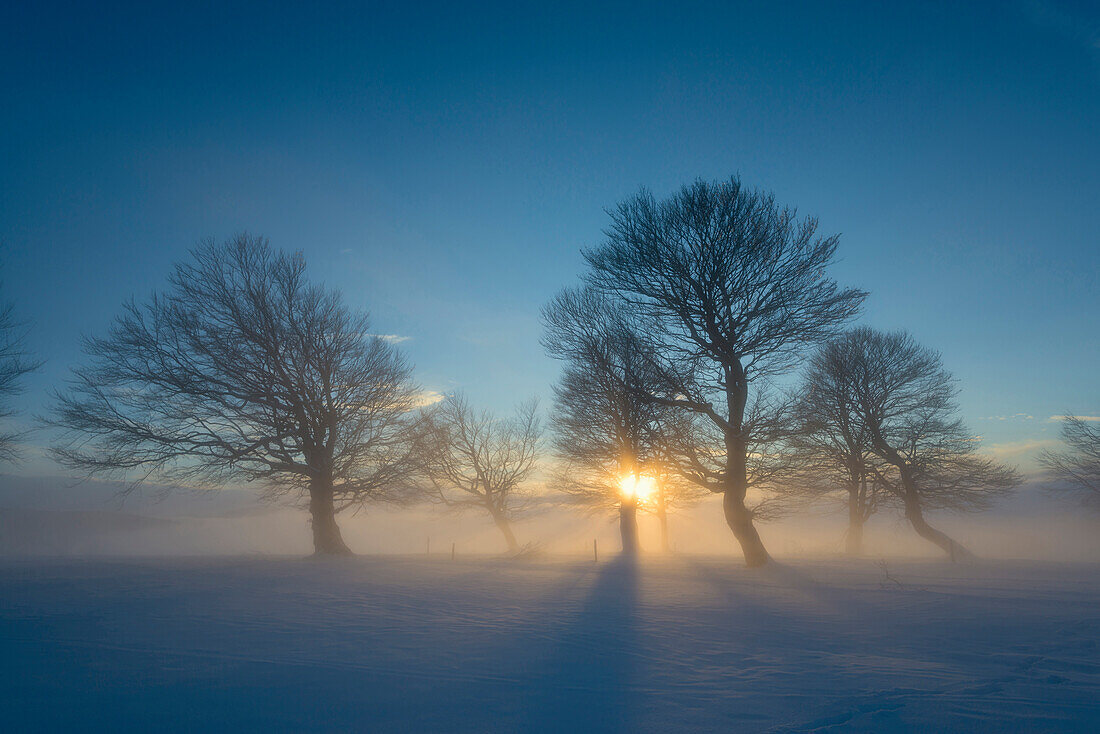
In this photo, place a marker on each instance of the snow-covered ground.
(428, 644)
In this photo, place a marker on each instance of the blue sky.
(444, 165)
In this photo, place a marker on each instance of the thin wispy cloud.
(1015, 449)
(392, 338)
(1086, 418)
(427, 397)
(1013, 417)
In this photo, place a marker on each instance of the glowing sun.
(637, 486)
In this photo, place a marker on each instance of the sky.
(443, 165)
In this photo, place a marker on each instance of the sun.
(637, 486)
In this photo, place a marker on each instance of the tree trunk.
(506, 530)
(739, 518)
(628, 526)
(854, 538)
(915, 515)
(327, 540)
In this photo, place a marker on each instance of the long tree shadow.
(587, 681)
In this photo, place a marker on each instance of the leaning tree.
(244, 370)
(905, 405)
(1077, 466)
(476, 460)
(734, 289)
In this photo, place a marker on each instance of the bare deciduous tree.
(609, 433)
(832, 445)
(603, 429)
(905, 403)
(475, 460)
(243, 370)
(1077, 467)
(15, 363)
(734, 289)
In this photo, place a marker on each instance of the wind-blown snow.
(408, 644)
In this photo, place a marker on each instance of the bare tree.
(15, 364)
(905, 403)
(1078, 465)
(733, 288)
(832, 444)
(603, 430)
(475, 460)
(243, 370)
(614, 440)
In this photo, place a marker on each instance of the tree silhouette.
(832, 446)
(904, 402)
(733, 289)
(243, 370)
(1078, 465)
(608, 431)
(15, 364)
(475, 460)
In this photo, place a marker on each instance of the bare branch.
(244, 370)
(1077, 466)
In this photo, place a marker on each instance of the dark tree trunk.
(628, 526)
(327, 540)
(854, 539)
(915, 515)
(739, 518)
(506, 530)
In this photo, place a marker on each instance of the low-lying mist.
(50, 517)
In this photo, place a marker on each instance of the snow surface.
(480, 645)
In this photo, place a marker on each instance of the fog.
(55, 517)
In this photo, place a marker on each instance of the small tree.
(1077, 467)
(733, 288)
(905, 403)
(831, 445)
(244, 370)
(15, 364)
(475, 460)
